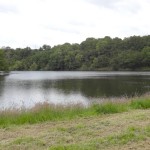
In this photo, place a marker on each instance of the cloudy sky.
(36, 22)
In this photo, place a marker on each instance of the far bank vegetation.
(132, 53)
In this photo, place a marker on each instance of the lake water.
(25, 88)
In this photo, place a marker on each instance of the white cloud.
(37, 22)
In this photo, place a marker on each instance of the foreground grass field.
(121, 125)
(127, 130)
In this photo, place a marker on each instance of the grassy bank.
(47, 112)
(126, 130)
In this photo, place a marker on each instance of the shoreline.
(108, 126)
(45, 111)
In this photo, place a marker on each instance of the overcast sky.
(36, 22)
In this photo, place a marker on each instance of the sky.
(34, 23)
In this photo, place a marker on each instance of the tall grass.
(142, 103)
(110, 108)
(46, 112)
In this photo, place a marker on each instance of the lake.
(25, 88)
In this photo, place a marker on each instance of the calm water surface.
(26, 88)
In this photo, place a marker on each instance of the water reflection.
(2, 80)
(106, 87)
(28, 88)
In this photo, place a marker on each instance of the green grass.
(140, 103)
(132, 134)
(47, 112)
(127, 130)
(110, 108)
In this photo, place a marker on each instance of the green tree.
(104, 53)
(104, 46)
(88, 44)
(3, 62)
(146, 57)
(45, 47)
(33, 66)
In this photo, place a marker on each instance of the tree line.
(132, 53)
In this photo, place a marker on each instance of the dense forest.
(132, 53)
